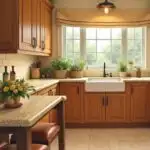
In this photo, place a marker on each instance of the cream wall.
(21, 63)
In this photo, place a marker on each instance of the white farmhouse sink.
(105, 85)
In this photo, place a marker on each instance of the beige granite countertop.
(135, 79)
(31, 111)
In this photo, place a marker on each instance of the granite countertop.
(32, 110)
(135, 79)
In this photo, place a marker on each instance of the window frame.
(83, 51)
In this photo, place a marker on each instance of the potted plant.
(12, 91)
(122, 69)
(60, 67)
(76, 70)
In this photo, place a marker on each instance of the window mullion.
(83, 44)
(124, 44)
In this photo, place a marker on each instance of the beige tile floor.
(107, 139)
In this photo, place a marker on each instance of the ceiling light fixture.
(106, 5)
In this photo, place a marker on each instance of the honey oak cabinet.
(26, 27)
(116, 108)
(74, 104)
(138, 95)
(49, 91)
(104, 107)
(94, 107)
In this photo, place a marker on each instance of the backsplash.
(21, 63)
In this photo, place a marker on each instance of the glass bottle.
(5, 75)
(13, 74)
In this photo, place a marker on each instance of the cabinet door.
(26, 25)
(48, 29)
(42, 25)
(73, 105)
(8, 26)
(115, 107)
(139, 101)
(94, 107)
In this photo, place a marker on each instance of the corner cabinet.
(26, 27)
(74, 103)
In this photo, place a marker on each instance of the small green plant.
(122, 67)
(77, 66)
(60, 64)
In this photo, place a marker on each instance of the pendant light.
(106, 5)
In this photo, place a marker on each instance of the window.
(99, 45)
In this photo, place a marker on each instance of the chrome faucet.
(104, 71)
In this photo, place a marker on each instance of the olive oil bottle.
(5, 75)
(12, 74)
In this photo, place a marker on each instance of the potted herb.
(122, 69)
(76, 70)
(12, 91)
(60, 67)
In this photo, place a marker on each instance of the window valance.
(94, 17)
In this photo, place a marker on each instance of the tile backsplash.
(21, 62)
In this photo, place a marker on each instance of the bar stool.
(34, 147)
(42, 133)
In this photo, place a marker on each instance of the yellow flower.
(6, 89)
(20, 88)
(12, 87)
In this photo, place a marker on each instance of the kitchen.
(102, 101)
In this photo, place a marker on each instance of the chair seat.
(42, 133)
(34, 147)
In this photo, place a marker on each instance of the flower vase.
(12, 103)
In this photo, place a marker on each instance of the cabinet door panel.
(94, 108)
(73, 108)
(139, 101)
(26, 25)
(116, 108)
(8, 26)
(48, 26)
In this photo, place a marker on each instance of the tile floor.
(107, 139)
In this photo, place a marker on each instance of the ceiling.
(92, 3)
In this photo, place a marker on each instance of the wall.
(21, 63)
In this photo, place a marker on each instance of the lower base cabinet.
(105, 108)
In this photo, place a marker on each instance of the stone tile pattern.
(21, 63)
(107, 139)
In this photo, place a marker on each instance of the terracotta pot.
(17, 100)
(60, 74)
(12, 103)
(122, 74)
(35, 73)
(76, 74)
(9, 101)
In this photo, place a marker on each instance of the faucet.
(104, 71)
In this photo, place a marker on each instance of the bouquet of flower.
(14, 89)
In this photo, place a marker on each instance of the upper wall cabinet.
(26, 27)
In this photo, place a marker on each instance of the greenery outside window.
(99, 45)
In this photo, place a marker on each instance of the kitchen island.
(19, 121)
